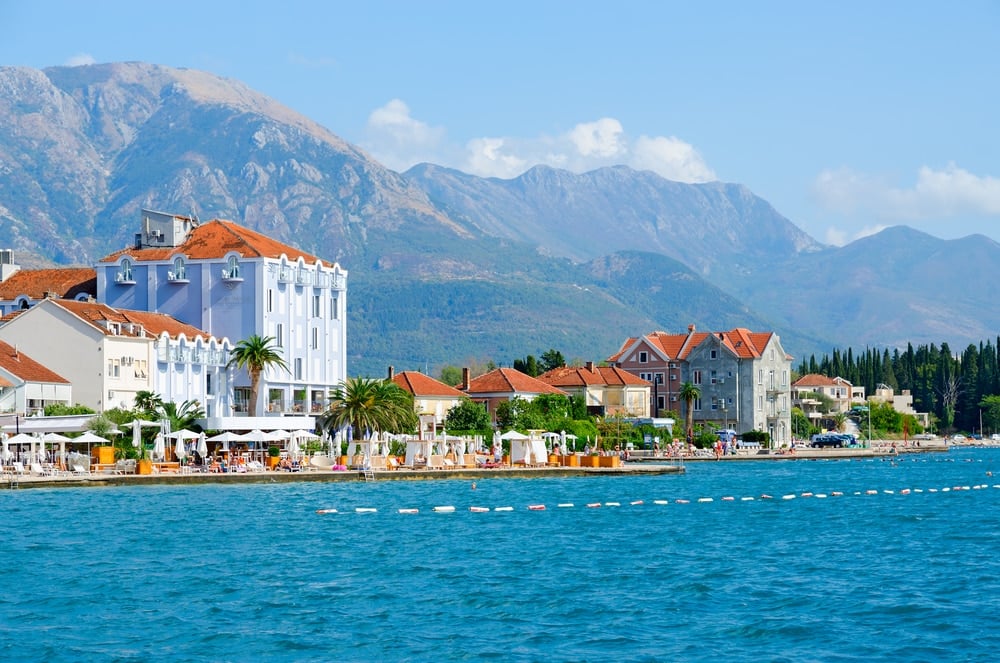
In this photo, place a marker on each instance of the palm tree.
(367, 404)
(182, 416)
(255, 354)
(689, 394)
(148, 403)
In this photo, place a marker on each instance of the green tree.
(148, 404)
(689, 393)
(451, 376)
(551, 359)
(182, 416)
(468, 416)
(61, 409)
(528, 366)
(991, 412)
(369, 405)
(256, 354)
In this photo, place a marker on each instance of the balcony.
(231, 276)
(177, 278)
(124, 278)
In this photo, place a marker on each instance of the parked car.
(958, 437)
(827, 440)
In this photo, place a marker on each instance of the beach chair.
(19, 469)
(39, 471)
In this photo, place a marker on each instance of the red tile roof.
(154, 324)
(509, 381)
(21, 365)
(741, 342)
(570, 377)
(213, 240)
(817, 380)
(421, 385)
(36, 283)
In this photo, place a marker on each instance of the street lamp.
(869, 426)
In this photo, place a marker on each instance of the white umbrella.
(159, 447)
(202, 446)
(227, 437)
(90, 438)
(293, 447)
(56, 437)
(514, 435)
(182, 435)
(179, 449)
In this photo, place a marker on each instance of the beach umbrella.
(179, 449)
(90, 438)
(183, 435)
(293, 447)
(226, 437)
(6, 452)
(202, 446)
(159, 447)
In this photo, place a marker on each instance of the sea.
(791, 560)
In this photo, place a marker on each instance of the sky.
(848, 117)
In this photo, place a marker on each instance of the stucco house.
(743, 376)
(606, 390)
(234, 282)
(504, 384)
(432, 399)
(838, 390)
(23, 288)
(26, 386)
(109, 354)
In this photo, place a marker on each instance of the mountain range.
(450, 268)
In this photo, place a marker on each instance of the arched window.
(124, 271)
(180, 269)
(233, 268)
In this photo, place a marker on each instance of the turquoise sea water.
(252, 572)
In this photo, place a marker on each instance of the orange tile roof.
(421, 385)
(741, 342)
(509, 381)
(214, 239)
(817, 380)
(24, 367)
(154, 324)
(35, 283)
(572, 377)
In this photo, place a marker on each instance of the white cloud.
(840, 237)
(936, 194)
(80, 59)
(399, 141)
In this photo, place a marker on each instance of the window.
(241, 398)
(208, 383)
(317, 306)
(714, 354)
(648, 377)
(334, 313)
(298, 368)
(713, 378)
(760, 376)
(315, 338)
(180, 269)
(697, 405)
(643, 357)
(658, 378)
(270, 300)
(760, 402)
(124, 272)
(279, 335)
(140, 368)
(114, 368)
(696, 377)
(232, 270)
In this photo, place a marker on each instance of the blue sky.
(848, 117)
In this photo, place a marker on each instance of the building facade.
(26, 386)
(606, 390)
(743, 377)
(233, 283)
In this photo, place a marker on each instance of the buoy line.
(786, 497)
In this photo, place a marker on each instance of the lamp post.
(869, 426)
(657, 379)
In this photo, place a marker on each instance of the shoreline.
(314, 475)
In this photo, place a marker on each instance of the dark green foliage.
(468, 417)
(59, 410)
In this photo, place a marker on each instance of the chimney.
(465, 379)
(690, 329)
(590, 366)
(392, 372)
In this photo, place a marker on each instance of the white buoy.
(661, 502)
(444, 509)
(788, 497)
(365, 509)
(409, 510)
(323, 511)
(566, 505)
(705, 499)
(479, 509)
(612, 504)
(504, 508)
(746, 499)
(820, 496)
